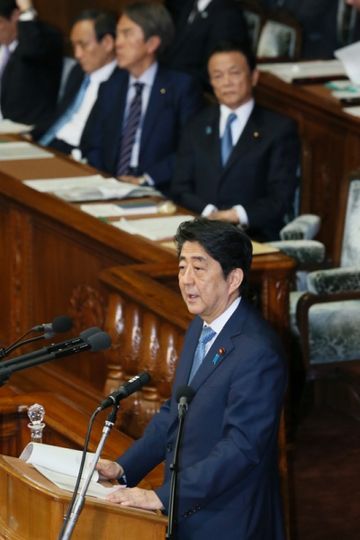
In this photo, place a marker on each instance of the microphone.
(125, 390)
(96, 342)
(184, 395)
(60, 324)
(83, 338)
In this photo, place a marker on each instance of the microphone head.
(85, 334)
(185, 392)
(99, 341)
(60, 324)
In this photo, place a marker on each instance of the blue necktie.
(50, 134)
(129, 133)
(226, 140)
(206, 335)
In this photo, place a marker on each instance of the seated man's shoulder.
(278, 120)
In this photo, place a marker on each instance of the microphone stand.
(174, 470)
(80, 499)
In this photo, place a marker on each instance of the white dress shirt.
(71, 132)
(218, 324)
(237, 127)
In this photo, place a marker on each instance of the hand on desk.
(109, 470)
(136, 180)
(137, 498)
(225, 215)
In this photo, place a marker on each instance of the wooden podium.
(32, 508)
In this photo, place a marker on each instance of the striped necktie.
(50, 134)
(206, 335)
(226, 140)
(129, 133)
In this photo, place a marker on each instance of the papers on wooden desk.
(349, 56)
(8, 126)
(90, 188)
(153, 228)
(61, 466)
(119, 210)
(22, 150)
(303, 71)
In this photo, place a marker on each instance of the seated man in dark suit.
(30, 63)
(237, 161)
(140, 111)
(93, 40)
(200, 25)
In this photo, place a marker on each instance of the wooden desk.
(32, 507)
(330, 149)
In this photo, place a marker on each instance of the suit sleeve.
(148, 451)
(39, 42)
(281, 179)
(183, 189)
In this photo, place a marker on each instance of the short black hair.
(7, 7)
(235, 46)
(104, 22)
(223, 241)
(154, 20)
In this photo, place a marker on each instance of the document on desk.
(302, 71)
(22, 150)
(153, 228)
(90, 188)
(349, 56)
(8, 126)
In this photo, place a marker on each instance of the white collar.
(103, 73)
(147, 77)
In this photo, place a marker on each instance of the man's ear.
(255, 77)
(235, 279)
(109, 43)
(153, 43)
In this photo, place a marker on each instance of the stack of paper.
(61, 466)
(314, 69)
(8, 126)
(89, 188)
(153, 228)
(22, 150)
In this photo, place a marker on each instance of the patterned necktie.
(50, 134)
(129, 133)
(206, 335)
(226, 140)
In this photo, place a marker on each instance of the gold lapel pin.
(256, 134)
(163, 91)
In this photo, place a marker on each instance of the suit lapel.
(117, 109)
(157, 101)
(212, 140)
(222, 347)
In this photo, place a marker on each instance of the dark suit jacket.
(221, 20)
(260, 173)
(72, 87)
(228, 477)
(31, 78)
(173, 99)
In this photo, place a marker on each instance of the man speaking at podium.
(228, 485)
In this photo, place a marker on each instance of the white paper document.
(89, 188)
(290, 71)
(349, 57)
(61, 465)
(153, 228)
(8, 126)
(117, 210)
(22, 150)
